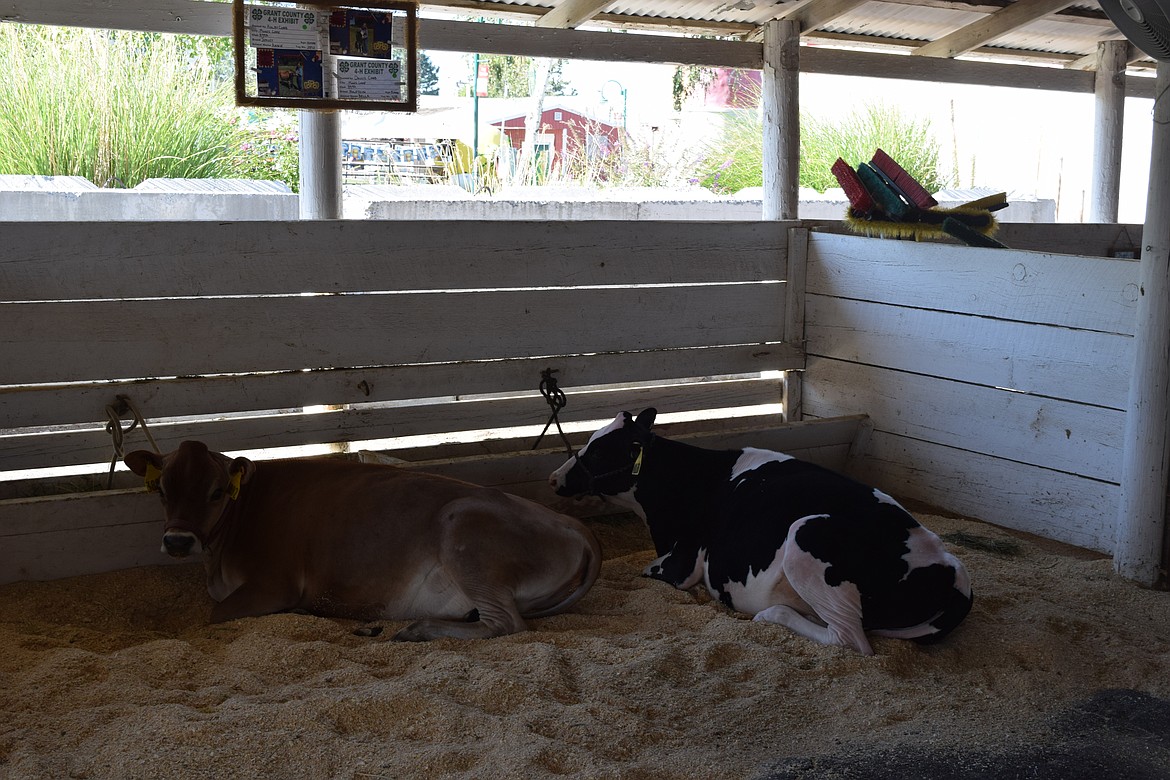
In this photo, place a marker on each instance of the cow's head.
(609, 464)
(195, 486)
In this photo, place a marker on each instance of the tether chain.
(114, 412)
(555, 397)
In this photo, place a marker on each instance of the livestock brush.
(886, 201)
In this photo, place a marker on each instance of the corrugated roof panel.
(706, 10)
(1052, 35)
(1073, 34)
(903, 22)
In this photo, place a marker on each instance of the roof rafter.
(811, 14)
(989, 28)
(572, 13)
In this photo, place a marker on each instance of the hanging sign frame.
(323, 56)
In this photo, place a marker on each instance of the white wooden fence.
(995, 381)
(266, 335)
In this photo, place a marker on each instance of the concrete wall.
(67, 198)
(74, 199)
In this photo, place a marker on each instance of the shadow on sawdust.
(1115, 734)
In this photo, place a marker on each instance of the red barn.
(563, 132)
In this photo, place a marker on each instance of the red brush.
(858, 195)
(902, 181)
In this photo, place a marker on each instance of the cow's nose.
(178, 543)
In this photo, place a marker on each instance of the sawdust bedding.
(119, 675)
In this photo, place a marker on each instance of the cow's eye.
(217, 494)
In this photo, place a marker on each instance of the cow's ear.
(140, 460)
(646, 418)
(242, 466)
(240, 471)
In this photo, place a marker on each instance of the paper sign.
(282, 28)
(369, 79)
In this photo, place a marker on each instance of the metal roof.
(1046, 31)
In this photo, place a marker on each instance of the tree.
(686, 82)
(428, 75)
(508, 76)
(557, 85)
(513, 76)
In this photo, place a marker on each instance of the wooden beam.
(810, 14)
(204, 18)
(189, 17)
(1017, 14)
(572, 13)
(781, 96)
(820, 12)
(445, 35)
(856, 63)
(1089, 62)
(1141, 514)
(1108, 125)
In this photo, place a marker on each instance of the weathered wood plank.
(499, 463)
(447, 35)
(1077, 365)
(47, 538)
(88, 340)
(862, 63)
(75, 260)
(365, 423)
(193, 18)
(85, 403)
(795, 319)
(1051, 504)
(531, 480)
(1065, 290)
(1071, 238)
(807, 434)
(1045, 432)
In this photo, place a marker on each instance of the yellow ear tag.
(234, 485)
(638, 462)
(153, 474)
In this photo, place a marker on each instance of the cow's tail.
(581, 582)
(951, 616)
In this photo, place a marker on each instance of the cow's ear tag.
(153, 475)
(233, 489)
(638, 462)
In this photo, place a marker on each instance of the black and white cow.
(776, 537)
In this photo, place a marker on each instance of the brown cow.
(368, 541)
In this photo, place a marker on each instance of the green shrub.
(909, 140)
(267, 146)
(734, 160)
(114, 107)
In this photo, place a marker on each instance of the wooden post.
(794, 319)
(1109, 121)
(320, 164)
(1141, 519)
(781, 119)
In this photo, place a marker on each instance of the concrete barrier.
(75, 199)
(71, 198)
